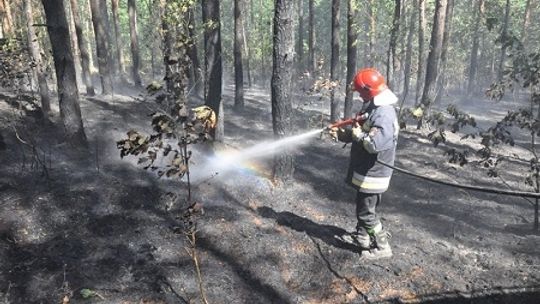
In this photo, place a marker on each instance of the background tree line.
(426, 48)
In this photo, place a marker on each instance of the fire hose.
(360, 118)
(468, 187)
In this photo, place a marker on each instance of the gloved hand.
(357, 132)
(333, 132)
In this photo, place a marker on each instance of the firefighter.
(374, 140)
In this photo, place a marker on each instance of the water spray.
(228, 161)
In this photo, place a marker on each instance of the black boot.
(381, 248)
(361, 239)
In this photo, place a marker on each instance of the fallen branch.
(192, 238)
(42, 163)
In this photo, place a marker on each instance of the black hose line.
(474, 188)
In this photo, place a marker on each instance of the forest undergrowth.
(88, 227)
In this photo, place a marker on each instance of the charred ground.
(104, 224)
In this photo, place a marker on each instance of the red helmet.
(369, 83)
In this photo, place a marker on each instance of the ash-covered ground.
(97, 225)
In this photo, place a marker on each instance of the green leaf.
(88, 293)
(132, 135)
(418, 112)
(177, 161)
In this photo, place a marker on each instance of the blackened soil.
(93, 224)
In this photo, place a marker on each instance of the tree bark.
(167, 46)
(391, 54)
(408, 55)
(334, 60)
(74, 44)
(311, 39)
(370, 29)
(135, 57)
(435, 49)
(70, 111)
(153, 27)
(401, 44)
(238, 66)
(213, 62)
(196, 71)
(446, 38)
(118, 39)
(33, 46)
(352, 37)
(81, 40)
(262, 30)
(473, 66)
(504, 36)
(6, 19)
(300, 40)
(526, 21)
(110, 39)
(3, 26)
(99, 9)
(90, 30)
(420, 78)
(283, 56)
(246, 52)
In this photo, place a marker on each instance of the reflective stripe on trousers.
(370, 182)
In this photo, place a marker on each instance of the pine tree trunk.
(283, 57)
(238, 66)
(334, 60)
(68, 98)
(154, 8)
(3, 27)
(6, 19)
(370, 30)
(401, 44)
(420, 78)
(526, 21)
(536, 225)
(493, 70)
(167, 46)
(196, 71)
(434, 56)
(473, 66)
(352, 37)
(74, 43)
(408, 56)
(81, 40)
(109, 33)
(262, 30)
(504, 35)
(441, 80)
(117, 37)
(391, 54)
(90, 30)
(247, 52)
(33, 46)
(311, 40)
(213, 62)
(483, 62)
(98, 8)
(300, 41)
(135, 57)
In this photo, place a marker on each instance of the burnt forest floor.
(75, 220)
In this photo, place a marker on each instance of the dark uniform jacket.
(379, 143)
